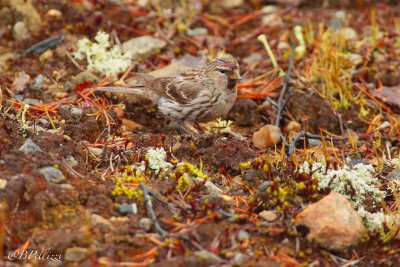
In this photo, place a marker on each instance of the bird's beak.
(235, 75)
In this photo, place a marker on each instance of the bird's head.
(224, 72)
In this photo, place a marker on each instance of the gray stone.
(38, 82)
(67, 186)
(42, 122)
(252, 58)
(143, 46)
(243, 235)
(31, 101)
(29, 146)
(314, 142)
(264, 186)
(197, 31)
(76, 254)
(272, 20)
(127, 208)
(76, 112)
(238, 259)
(145, 224)
(208, 256)
(71, 161)
(52, 174)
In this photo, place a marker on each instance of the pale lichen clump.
(375, 220)
(358, 184)
(101, 57)
(157, 160)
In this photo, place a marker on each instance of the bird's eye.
(223, 70)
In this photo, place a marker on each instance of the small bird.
(195, 96)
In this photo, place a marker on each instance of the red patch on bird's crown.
(227, 63)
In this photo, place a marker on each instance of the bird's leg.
(188, 128)
(198, 127)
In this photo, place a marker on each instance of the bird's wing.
(180, 89)
(126, 90)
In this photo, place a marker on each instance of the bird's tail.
(127, 90)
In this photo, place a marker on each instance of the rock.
(84, 76)
(349, 34)
(76, 254)
(332, 223)
(197, 31)
(267, 136)
(76, 113)
(228, 4)
(268, 215)
(5, 57)
(71, 161)
(254, 57)
(130, 124)
(47, 55)
(314, 142)
(272, 20)
(212, 189)
(55, 13)
(269, 9)
(187, 62)
(238, 259)
(125, 209)
(356, 59)
(95, 151)
(29, 146)
(67, 186)
(264, 186)
(37, 83)
(209, 256)
(31, 101)
(145, 224)
(243, 236)
(143, 3)
(3, 184)
(143, 46)
(339, 20)
(293, 126)
(283, 45)
(20, 82)
(52, 174)
(20, 31)
(99, 220)
(27, 10)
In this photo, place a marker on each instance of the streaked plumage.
(198, 95)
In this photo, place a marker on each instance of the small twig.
(73, 60)
(292, 145)
(171, 206)
(285, 85)
(317, 136)
(150, 210)
(46, 44)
